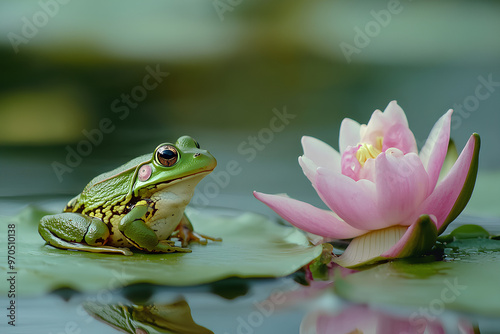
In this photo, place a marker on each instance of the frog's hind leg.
(60, 243)
(79, 232)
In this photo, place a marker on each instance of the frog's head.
(172, 163)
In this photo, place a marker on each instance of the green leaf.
(389, 243)
(465, 281)
(252, 246)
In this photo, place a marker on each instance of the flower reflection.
(360, 319)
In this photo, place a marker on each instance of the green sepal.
(320, 266)
(467, 188)
(377, 246)
(422, 238)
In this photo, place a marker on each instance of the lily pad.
(464, 281)
(252, 246)
(468, 231)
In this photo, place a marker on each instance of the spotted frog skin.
(139, 204)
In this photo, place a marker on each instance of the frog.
(139, 205)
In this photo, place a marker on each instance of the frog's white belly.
(169, 212)
(169, 206)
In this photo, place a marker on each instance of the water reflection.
(147, 319)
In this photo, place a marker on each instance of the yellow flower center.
(380, 143)
(367, 151)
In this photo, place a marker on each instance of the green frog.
(139, 204)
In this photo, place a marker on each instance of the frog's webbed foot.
(168, 242)
(135, 230)
(167, 246)
(78, 232)
(186, 234)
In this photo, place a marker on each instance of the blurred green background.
(68, 65)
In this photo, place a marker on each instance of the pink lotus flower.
(393, 200)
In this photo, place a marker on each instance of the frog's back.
(107, 188)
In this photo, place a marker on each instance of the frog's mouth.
(200, 175)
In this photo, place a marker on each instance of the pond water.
(86, 86)
(236, 305)
(242, 305)
(273, 305)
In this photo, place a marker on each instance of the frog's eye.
(197, 144)
(167, 155)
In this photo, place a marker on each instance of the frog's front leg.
(187, 234)
(135, 230)
(70, 230)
